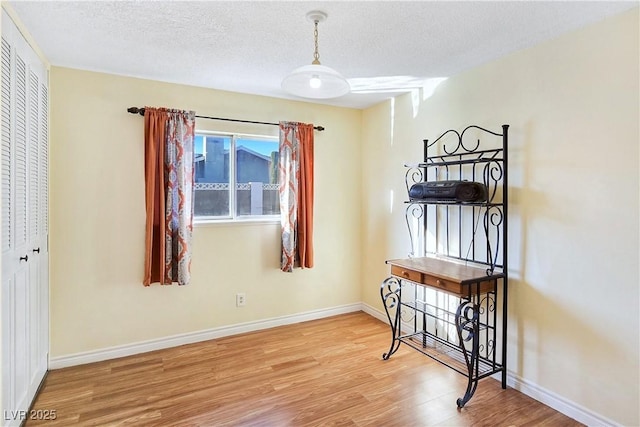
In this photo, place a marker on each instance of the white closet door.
(21, 307)
(34, 233)
(8, 307)
(24, 289)
(43, 227)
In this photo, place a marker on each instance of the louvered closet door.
(36, 248)
(24, 223)
(8, 262)
(42, 243)
(15, 260)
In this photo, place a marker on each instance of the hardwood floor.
(326, 372)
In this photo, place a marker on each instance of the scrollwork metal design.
(390, 292)
(414, 175)
(493, 218)
(407, 315)
(459, 140)
(467, 321)
(458, 145)
(488, 350)
(492, 175)
(488, 301)
(467, 316)
(478, 140)
(413, 212)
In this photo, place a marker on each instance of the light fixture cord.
(316, 55)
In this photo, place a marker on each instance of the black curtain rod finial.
(136, 110)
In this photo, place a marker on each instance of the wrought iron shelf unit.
(448, 300)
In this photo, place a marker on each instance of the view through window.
(236, 176)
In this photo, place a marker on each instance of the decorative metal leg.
(468, 330)
(390, 293)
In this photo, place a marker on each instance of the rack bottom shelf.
(448, 354)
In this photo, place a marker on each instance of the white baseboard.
(549, 398)
(374, 312)
(559, 403)
(192, 337)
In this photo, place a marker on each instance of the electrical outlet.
(241, 300)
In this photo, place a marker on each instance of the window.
(236, 176)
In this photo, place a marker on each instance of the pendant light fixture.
(316, 80)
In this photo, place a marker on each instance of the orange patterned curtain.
(169, 178)
(296, 194)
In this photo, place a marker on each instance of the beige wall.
(97, 219)
(572, 104)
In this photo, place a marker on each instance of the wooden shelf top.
(445, 269)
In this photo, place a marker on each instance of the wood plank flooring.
(326, 372)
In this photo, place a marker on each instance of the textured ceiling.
(249, 46)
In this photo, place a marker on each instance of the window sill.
(233, 222)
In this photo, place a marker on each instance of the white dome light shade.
(316, 81)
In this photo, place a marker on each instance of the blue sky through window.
(197, 144)
(257, 145)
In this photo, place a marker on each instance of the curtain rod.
(136, 110)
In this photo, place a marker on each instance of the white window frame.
(233, 217)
